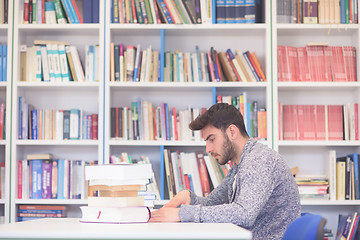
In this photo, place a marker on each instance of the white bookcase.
(312, 156)
(86, 96)
(5, 97)
(99, 97)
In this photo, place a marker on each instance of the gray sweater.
(265, 198)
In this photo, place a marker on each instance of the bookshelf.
(5, 98)
(86, 96)
(99, 97)
(312, 156)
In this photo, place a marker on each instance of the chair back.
(307, 227)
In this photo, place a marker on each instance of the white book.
(38, 64)
(175, 169)
(204, 72)
(78, 67)
(56, 59)
(195, 67)
(148, 62)
(118, 171)
(195, 174)
(87, 63)
(181, 67)
(153, 13)
(138, 214)
(245, 66)
(59, 125)
(51, 63)
(75, 123)
(63, 63)
(122, 66)
(211, 170)
(351, 113)
(29, 60)
(332, 174)
(143, 66)
(97, 64)
(115, 201)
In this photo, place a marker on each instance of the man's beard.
(229, 151)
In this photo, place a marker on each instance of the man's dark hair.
(221, 116)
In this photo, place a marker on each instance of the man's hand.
(167, 214)
(183, 197)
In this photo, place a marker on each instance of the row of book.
(4, 11)
(58, 62)
(317, 11)
(40, 176)
(130, 63)
(319, 63)
(193, 170)
(3, 62)
(32, 212)
(60, 12)
(145, 121)
(50, 124)
(2, 121)
(186, 11)
(344, 183)
(319, 122)
(255, 117)
(348, 227)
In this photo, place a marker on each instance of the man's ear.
(233, 131)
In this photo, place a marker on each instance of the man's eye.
(211, 140)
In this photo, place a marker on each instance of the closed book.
(140, 214)
(310, 11)
(46, 179)
(36, 179)
(118, 171)
(115, 201)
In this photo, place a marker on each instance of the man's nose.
(208, 148)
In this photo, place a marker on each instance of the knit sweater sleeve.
(254, 185)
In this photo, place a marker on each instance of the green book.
(148, 12)
(59, 12)
(140, 18)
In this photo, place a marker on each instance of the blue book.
(245, 54)
(36, 178)
(249, 11)
(87, 11)
(95, 11)
(60, 183)
(342, 12)
(137, 66)
(355, 158)
(230, 11)
(167, 121)
(240, 11)
(75, 120)
(117, 62)
(84, 127)
(115, 11)
(248, 119)
(20, 115)
(34, 127)
(42, 211)
(198, 62)
(4, 64)
(71, 11)
(1, 63)
(165, 11)
(4, 57)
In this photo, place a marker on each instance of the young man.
(258, 193)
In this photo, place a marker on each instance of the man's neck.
(240, 145)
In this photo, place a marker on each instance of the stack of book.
(313, 186)
(117, 200)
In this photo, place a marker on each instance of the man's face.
(218, 144)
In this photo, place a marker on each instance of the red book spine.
(211, 67)
(156, 12)
(205, 184)
(94, 126)
(320, 131)
(175, 125)
(279, 65)
(133, 10)
(20, 179)
(218, 66)
(26, 11)
(257, 71)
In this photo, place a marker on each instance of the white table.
(71, 228)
